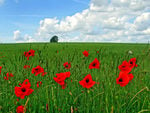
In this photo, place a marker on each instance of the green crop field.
(106, 96)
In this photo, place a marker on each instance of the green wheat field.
(105, 97)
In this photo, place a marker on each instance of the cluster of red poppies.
(125, 68)
(87, 81)
(8, 75)
(24, 89)
(26, 66)
(37, 70)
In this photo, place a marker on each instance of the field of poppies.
(74, 78)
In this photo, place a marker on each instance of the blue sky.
(75, 20)
(25, 15)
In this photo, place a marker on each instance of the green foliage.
(105, 97)
(54, 39)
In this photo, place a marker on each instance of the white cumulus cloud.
(19, 38)
(17, 35)
(142, 22)
(114, 21)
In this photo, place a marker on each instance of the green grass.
(106, 97)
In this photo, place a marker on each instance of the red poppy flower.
(123, 79)
(67, 65)
(6, 78)
(59, 80)
(124, 67)
(0, 69)
(64, 86)
(130, 76)
(26, 54)
(24, 89)
(26, 83)
(26, 66)
(8, 75)
(87, 82)
(38, 84)
(20, 109)
(29, 53)
(66, 74)
(44, 73)
(86, 53)
(61, 77)
(132, 62)
(94, 64)
(37, 70)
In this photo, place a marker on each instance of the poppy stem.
(77, 98)
(71, 109)
(26, 104)
(97, 95)
(145, 88)
(112, 109)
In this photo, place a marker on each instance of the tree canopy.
(54, 39)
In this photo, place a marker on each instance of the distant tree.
(54, 39)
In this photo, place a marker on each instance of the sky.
(125, 21)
